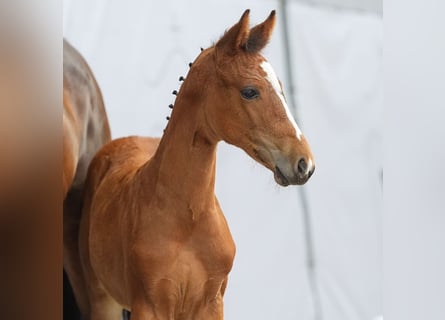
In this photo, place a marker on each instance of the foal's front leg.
(141, 311)
(154, 300)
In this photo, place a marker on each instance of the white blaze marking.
(272, 78)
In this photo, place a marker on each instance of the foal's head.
(245, 105)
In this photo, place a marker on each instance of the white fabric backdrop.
(137, 51)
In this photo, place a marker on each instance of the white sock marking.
(272, 78)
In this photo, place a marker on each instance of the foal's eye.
(250, 93)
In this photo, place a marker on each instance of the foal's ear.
(259, 35)
(236, 37)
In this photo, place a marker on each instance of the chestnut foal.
(153, 238)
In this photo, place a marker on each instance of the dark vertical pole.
(307, 224)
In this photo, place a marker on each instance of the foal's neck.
(183, 166)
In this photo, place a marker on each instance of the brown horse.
(85, 130)
(153, 238)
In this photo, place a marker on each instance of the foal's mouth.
(283, 176)
(280, 178)
(294, 178)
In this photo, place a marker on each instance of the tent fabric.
(339, 71)
(375, 6)
(138, 50)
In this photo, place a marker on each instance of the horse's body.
(85, 130)
(85, 124)
(153, 238)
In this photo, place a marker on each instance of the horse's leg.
(153, 303)
(103, 306)
(70, 309)
(71, 258)
(126, 315)
(141, 311)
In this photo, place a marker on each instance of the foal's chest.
(191, 284)
(186, 260)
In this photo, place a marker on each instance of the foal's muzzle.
(299, 173)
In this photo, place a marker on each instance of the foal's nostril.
(302, 167)
(311, 172)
